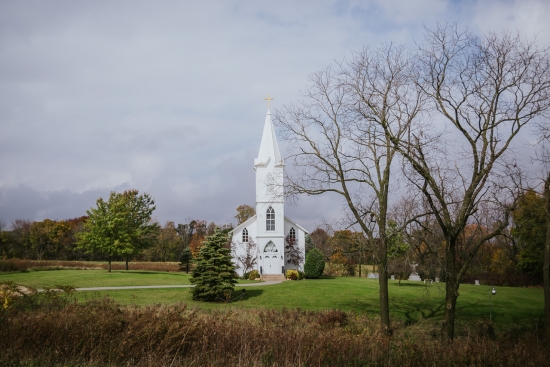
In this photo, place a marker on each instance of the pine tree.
(309, 243)
(214, 272)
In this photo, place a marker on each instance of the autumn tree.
(47, 238)
(166, 245)
(482, 92)
(244, 212)
(293, 254)
(320, 240)
(120, 226)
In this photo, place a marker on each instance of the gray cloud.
(165, 96)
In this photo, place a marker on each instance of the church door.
(272, 257)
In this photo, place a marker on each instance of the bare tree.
(245, 254)
(546, 265)
(482, 91)
(341, 138)
(543, 130)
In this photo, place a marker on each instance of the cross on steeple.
(268, 99)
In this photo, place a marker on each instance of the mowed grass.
(97, 278)
(94, 278)
(410, 302)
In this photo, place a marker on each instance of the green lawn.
(94, 278)
(409, 302)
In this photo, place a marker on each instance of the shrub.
(292, 274)
(254, 274)
(301, 275)
(100, 332)
(315, 264)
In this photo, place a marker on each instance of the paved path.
(166, 286)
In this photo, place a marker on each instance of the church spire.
(269, 149)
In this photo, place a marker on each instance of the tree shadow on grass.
(415, 285)
(248, 294)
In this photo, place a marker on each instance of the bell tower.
(269, 200)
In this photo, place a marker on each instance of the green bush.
(254, 274)
(315, 264)
(292, 274)
(301, 275)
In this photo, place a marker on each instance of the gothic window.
(245, 235)
(292, 234)
(270, 247)
(270, 219)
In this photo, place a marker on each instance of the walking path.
(166, 286)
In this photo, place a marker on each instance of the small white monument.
(477, 282)
(393, 277)
(414, 277)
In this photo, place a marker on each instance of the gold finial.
(268, 99)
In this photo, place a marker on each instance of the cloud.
(166, 97)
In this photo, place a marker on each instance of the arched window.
(292, 234)
(270, 247)
(245, 235)
(270, 219)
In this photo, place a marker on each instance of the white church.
(269, 230)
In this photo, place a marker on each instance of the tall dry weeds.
(101, 332)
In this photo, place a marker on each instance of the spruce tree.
(214, 272)
(309, 243)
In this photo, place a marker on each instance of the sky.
(166, 97)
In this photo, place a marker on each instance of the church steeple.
(269, 149)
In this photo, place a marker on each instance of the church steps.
(273, 277)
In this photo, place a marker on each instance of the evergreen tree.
(315, 264)
(214, 272)
(309, 243)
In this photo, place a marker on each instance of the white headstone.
(393, 277)
(436, 279)
(477, 282)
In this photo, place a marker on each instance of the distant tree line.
(514, 258)
(117, 229)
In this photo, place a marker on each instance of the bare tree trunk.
(384, 297)
(126, 262)
(109, 266)
(451, 293)
(546, 266)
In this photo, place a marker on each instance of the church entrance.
(271, 260)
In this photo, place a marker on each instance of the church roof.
(244, 224)
(269, 149)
